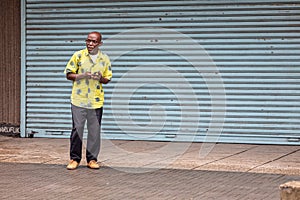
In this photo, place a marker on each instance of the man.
(88, 68)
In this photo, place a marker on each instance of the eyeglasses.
(93, 41)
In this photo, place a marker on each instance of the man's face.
(92, 43)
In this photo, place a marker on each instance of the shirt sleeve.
(72, 65)
(108, 71)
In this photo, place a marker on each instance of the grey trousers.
(93, 118)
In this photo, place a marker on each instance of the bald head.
(96, 34)
(93, 41)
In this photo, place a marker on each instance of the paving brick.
(36, 169)
(45, 181)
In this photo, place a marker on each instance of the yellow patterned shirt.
(88, 93)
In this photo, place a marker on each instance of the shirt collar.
(87, 52)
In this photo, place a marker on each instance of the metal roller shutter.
(253, 49)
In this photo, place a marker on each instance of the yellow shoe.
(93, 165)
(72, 165)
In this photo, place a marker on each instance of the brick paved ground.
(46, 181)
(273, 159)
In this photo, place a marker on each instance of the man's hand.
(86, 75)
(96, 76)
(76, 77)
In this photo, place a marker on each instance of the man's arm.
(74, 77)
(104, 80)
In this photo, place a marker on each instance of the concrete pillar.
(290, 191)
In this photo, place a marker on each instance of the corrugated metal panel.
(10, 62)
(254, 44)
